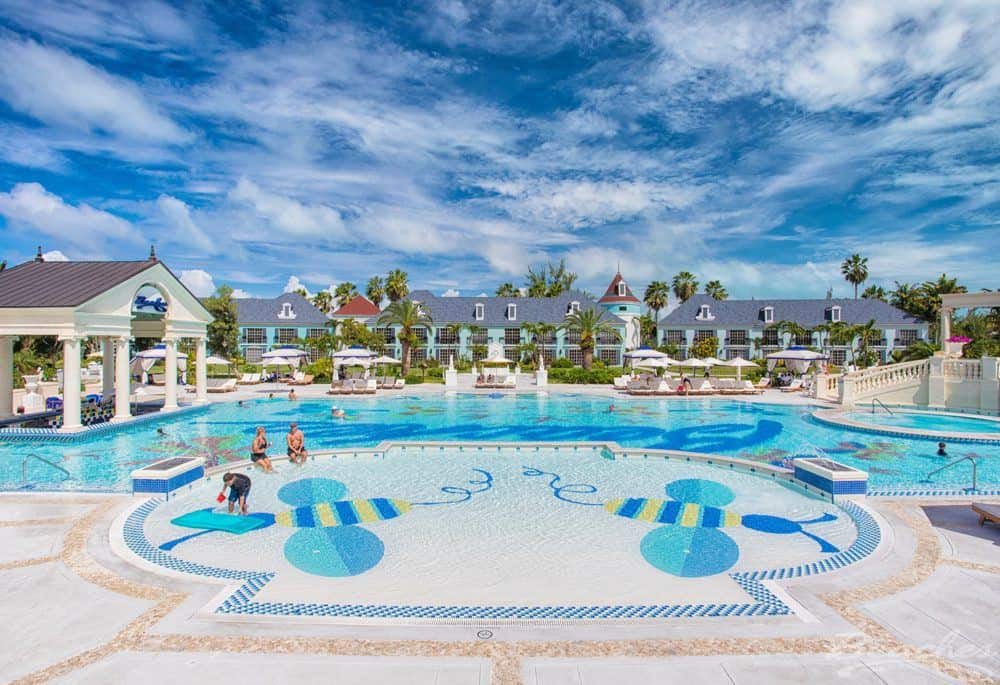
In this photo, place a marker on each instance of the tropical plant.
(905, 297)
(301, 291)
(855, 271)
(685, 285)
(919, 349)
(791, 328)
(224, 329)
(344, 293)
(706, 347)
(589, 323)
(375, 290)
(323, 301)
(866, 334)
(551, 280)
(539, 333)
(647, 330)
(409, 316)
(875, 292)
(656, 297)
(716, 290)
(508, 290)
(396, 285)
(351, 333)
(3, 264)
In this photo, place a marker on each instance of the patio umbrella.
(645, 353)
(694, 363)
(145, 360)
(796, 358)
(217, 361)
(385, 360)
(712, 361)
(739, 363)
(656, 362)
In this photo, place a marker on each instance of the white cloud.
(198, 281)
(240, 294)
(30, 206)
(294, 284)
(178, 227)
(287, 214)
(55, 256)
(451, 292)
(66, 91)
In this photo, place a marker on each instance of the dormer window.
(286, 311)
(768, 314)
(622, 289)
(480, 311)
(704, 312)
(574, 307)
(834, 313)
(511, 312)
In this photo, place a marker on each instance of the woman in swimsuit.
(258, 451)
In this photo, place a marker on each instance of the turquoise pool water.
(762, 432)
(926, 421)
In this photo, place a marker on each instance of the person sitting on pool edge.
(296, 441)
(239, 488)
(258, 451)
(941, 450)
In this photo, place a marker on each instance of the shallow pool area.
(501, 532)
(926, 421)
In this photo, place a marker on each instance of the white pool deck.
(921, 609)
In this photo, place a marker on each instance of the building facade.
(464, 326)
(747, 328)
(619, 301)
(267, 323)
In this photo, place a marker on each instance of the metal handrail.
(881, 404)
(24, 467)
(948, 466)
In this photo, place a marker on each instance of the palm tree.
(538, 283)
(793, 329)
(685, 285)
(656, 297)
(539, 333)
(409, 316)
(589, 323)
(345, 292)
(855, 270)
(560, 280)
(396, 287)
(323, 301)
(904, 296)
(375, 290)
(716, 290)
(875, 292)
(866, 334)
(508, 290)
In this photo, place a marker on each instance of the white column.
(71, 383)
(170, 382)
(107, 367)
(6, 376)
(123, 381)
(201, 373)
(945, 325)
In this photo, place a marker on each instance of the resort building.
(464, 326)
(266, 323)
(360, 308)
(619, 301)
(747, 328)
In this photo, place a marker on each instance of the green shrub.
(414, 379)
(579, 376)
(321, 370)
(435, 372)
(562, 363)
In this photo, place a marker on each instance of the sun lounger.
(307, 379)
(227, 385)
(621, 382)
(157, 379)
(400, 383)
(794, 386)
(764, 383)
(509, 382)
(987, 512)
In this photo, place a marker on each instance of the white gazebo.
(115, 302)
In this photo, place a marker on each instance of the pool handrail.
(948, 466)
(24, 467)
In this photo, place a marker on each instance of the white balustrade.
(964, 369)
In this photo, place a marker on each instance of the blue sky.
(262, 144)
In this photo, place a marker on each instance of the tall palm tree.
(865, 334)
(396, 286)
(791, 328)
(875, 292)
(560, 280)
(375, 290)
(656, 297)
(323, 301)
(345, 292)
(589, 323)
(538, 283)
(855, 270)
(508, 290)
(685, 285)
(409, 316)
(904, 296)
(539, 333)
(716, 290)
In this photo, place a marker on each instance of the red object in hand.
(221, 497)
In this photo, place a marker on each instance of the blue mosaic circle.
(334, 552)
(689, 552)
(700, 491)
(309, 491)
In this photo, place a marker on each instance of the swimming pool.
(762, 432)
(531, 533)
(946, 423)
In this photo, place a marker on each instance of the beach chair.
(244, 379)
(307, 379)
(509, 381)
(987, 512)
(794, 386)
(400, 383)
(764, 382)
(621, 382)
(227, 385)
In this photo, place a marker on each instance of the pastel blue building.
(267, 323)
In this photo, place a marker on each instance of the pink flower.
(958, 339)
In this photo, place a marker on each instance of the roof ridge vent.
(38, 255)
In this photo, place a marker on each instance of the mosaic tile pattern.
(54, 435)
(902, 432)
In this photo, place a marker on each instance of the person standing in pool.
(258, 451)
(239, 488)
(296, 441)
(941, 450)
(291, 395)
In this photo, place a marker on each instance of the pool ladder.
(881, 404)
(24, 467)
(957, 461)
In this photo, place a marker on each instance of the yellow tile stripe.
(733, 519)
(650, 510)
(365, 511)
(689, 517)
(325, 515)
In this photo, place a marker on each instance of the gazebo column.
(201, 373)
(945, 324)
(123, 380)
(107, 367)
(170, 382)
(71, 382)
(6, 376)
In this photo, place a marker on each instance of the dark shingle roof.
(804, 312)
(258, 310)
(529, 309)
(63, 284)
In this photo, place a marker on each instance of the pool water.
(761, 432)
(529, 527)
(945, 423)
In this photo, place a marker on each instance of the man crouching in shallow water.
(296, 441)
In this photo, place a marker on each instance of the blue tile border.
(822, 416)
(242, 600)
(54, 435)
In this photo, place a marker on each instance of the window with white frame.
(445, 336)
(387, 334)
(254, 355)
(574, 307)
(705, 312)
(572, 337)
(480, 311)
(622, 289)
(575, 355)
(675, 337)
(703, 335)
(738, 337)
(612, 357)
(838, 357)
(480, 337)
(512, 312)
(255, 336)
(907, 336)
(283, 336)
(421, 334)
(608, 338)
(804, 339)
(770, 337)
(768, 314)
(512, 336)
(833, 313)
(286, 311)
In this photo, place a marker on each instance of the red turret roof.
(611, 294)
(359, 306)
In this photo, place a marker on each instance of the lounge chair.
(307, 379)
(794, 386)
(244, 379)
(227, 385)
(704, 388)
(987, 512)
(400, 383)
(510, 381)
(157, 379)
(621, 382)
(764, 382)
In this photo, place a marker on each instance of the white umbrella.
(797, 359)
(645, 353)
(285, 353)
(694, 363)
(354, 353)
(217, 361)
(739, 363)
(144, 361)
(712, 361)
(385, 360)
(276, 361)
(656, 363)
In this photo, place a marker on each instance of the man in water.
(337, 413)
(296, 442)
(291, 395)
(239, 488)
(941, 450)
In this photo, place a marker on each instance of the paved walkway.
(921, 609)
